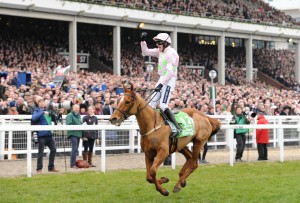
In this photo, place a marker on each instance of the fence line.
(283, 129)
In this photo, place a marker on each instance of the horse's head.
(126, 107)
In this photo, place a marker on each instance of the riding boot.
(85, 155)
(90, 159)
(171, 117)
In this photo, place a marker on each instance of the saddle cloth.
(186, 123)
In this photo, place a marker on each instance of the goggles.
(159, 42)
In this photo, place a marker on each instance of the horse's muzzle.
(115, 121)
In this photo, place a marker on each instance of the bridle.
(126, 114)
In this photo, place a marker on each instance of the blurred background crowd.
(32, 45)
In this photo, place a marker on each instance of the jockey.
(167, 69)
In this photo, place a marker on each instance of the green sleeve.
(69, 119)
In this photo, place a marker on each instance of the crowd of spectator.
(35, 52)
(279, 64)
(256, 11)
(87, 88)
(281, 68)
(98, 89)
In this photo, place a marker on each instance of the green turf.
(245, 182)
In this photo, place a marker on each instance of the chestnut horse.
(155, 136)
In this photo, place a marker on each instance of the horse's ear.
(131, 86)
(124, 87)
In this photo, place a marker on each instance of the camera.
(66, 105)
(232, 121)
(34, 137)
(250, 114)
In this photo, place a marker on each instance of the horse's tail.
(215, 123)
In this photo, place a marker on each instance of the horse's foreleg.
(160, 157)
(149, 163)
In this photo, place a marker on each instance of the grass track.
(245, 182)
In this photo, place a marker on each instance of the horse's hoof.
(165, 193)
(164, 179)
(176, 189)
(183, 184)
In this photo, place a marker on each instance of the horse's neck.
(146, 117)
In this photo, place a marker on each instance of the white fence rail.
(15, 136)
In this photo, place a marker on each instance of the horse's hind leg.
(188, 155)
(191, 164)
(182, 182)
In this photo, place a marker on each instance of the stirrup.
(173, 135)
(179, 129)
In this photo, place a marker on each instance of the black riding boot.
(171, 117)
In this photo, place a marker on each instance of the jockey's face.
(160, 45)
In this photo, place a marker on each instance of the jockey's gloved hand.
(144, 36)
(158, 87)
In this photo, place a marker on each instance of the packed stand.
(98, 89)
(279, 64)
(239, 10)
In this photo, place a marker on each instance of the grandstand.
(246, 42)
(216, 36)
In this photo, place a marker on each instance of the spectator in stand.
(262, 138)
(83, 109)
(74, 118)
(12, 110)
(3, 107)
(285, 111)
(99, 108)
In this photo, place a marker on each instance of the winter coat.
(240, 120)
(262, 135)
(39, 118)
(73, 119)
(90, 120)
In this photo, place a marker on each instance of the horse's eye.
(127, 102)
